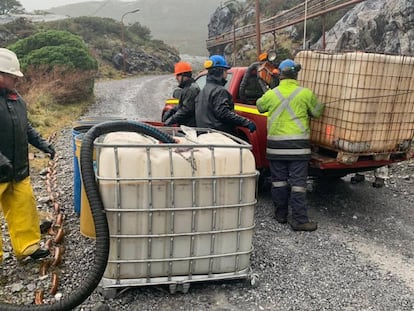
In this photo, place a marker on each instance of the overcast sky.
(31, 5)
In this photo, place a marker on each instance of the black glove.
(6, 168)
(169, 122)
(50, 150)
(251, 126)
(167, 115)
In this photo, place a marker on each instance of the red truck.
(246, 86)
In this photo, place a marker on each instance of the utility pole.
(258, 36)
(123, 38)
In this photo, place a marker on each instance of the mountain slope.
(180, 23)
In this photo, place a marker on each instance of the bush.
(67, 56)
(53, 58)
(54, 48)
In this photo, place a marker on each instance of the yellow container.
(87, 226)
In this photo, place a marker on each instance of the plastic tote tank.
(177, 213)
(368, 97)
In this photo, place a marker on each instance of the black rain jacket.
(184, 112)
(214, 107)
(15, 135)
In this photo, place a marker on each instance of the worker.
(16, 193)
(214, 105)
(183, 113)
(289, 108)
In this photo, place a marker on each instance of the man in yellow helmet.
(289, 108)
(16, 194)
(183, 113)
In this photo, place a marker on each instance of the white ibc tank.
(176, 209)
(369, 103)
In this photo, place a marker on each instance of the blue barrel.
(77, 182)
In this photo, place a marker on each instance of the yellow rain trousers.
(19, 209)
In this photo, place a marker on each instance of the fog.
(31, 5)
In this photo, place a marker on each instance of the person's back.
(289, 108)
(214, 106)
(183, 113)
(213, 97)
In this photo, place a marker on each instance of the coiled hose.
(98, 212)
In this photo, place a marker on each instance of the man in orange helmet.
(183, 113)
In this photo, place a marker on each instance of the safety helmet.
(289, 67)
(9, 63)
(216, 61)
(182, 67)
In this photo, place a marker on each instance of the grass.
(55, 100)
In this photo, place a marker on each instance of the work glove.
(50, 150)
(169, 122)
(251, 126)
(167, 115)
(6, 168)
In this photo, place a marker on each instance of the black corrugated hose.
(92, 280)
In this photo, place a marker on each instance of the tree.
(10, 6)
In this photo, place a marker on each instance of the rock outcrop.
(385, 26)
(220, 22)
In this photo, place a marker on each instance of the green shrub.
(54, 48)
(60, 61)
(64, 55)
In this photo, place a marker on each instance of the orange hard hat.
(182, 67)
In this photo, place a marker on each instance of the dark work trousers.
(289, 186)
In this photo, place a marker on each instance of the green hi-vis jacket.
(289, 108)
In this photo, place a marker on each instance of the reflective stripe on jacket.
(289, 108)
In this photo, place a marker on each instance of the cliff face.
(385, 26)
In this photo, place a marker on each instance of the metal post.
(258, 41)
(323, 28)
(304, 25)
(234, 44)
(123, 38)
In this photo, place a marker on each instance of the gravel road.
(360, 258)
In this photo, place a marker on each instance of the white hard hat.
(9, 63)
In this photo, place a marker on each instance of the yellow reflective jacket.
(289, 108)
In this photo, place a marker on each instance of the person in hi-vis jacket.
(288, 149)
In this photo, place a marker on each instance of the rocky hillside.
(375, 25)
(104, 38)
(180, 23)
(385, 26)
